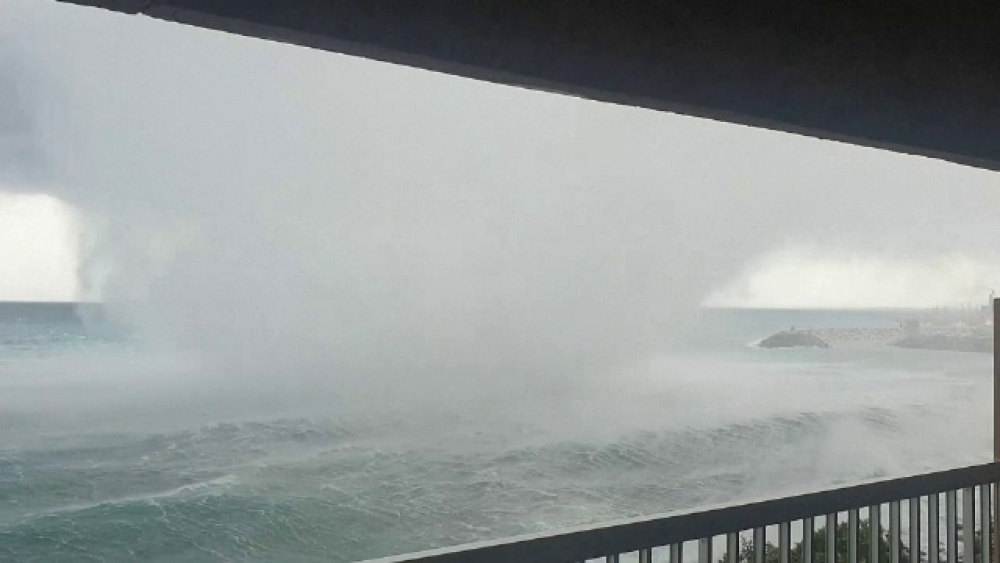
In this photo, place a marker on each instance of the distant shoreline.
(974, 339)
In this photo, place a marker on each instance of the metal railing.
(962, 526)
(962, 532)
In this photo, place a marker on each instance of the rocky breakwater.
(794, 339)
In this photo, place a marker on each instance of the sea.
(110, 450)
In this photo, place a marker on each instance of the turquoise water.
(116, 452)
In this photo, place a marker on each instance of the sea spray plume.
(303, 219)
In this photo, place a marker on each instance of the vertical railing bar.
(996, 421)
(807, 540)
(984, 524)
(994, 502)
(645, 556)
(611, 559)
(951, 532)
(677, 553)
(831, 538)
(994, 522)
(759, 537)
(894, 532)
(705, 550)
(785, 542)
(852, 536)
(933, 528)
(875, 521)
(969, 525)
(915, 530)
(732, 548)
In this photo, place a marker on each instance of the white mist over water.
(199, 476)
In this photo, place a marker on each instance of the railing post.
(831, 538)
(988, 530)
(985, 494)
(733, 547)
(969, 525)
(915, 530)
(705, 550)
(784, 542)
(852, 536)
(933, 528)
(951, 526)
(807, 540)
(677, 552)
(894, 535)
(875, 534)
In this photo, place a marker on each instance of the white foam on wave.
(214, 486)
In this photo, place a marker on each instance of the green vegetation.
(772, 555)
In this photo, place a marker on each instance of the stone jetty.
(794, 339)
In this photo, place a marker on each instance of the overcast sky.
(193, 155)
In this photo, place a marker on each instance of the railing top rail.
(625, 536)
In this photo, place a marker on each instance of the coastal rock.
(794, 339)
